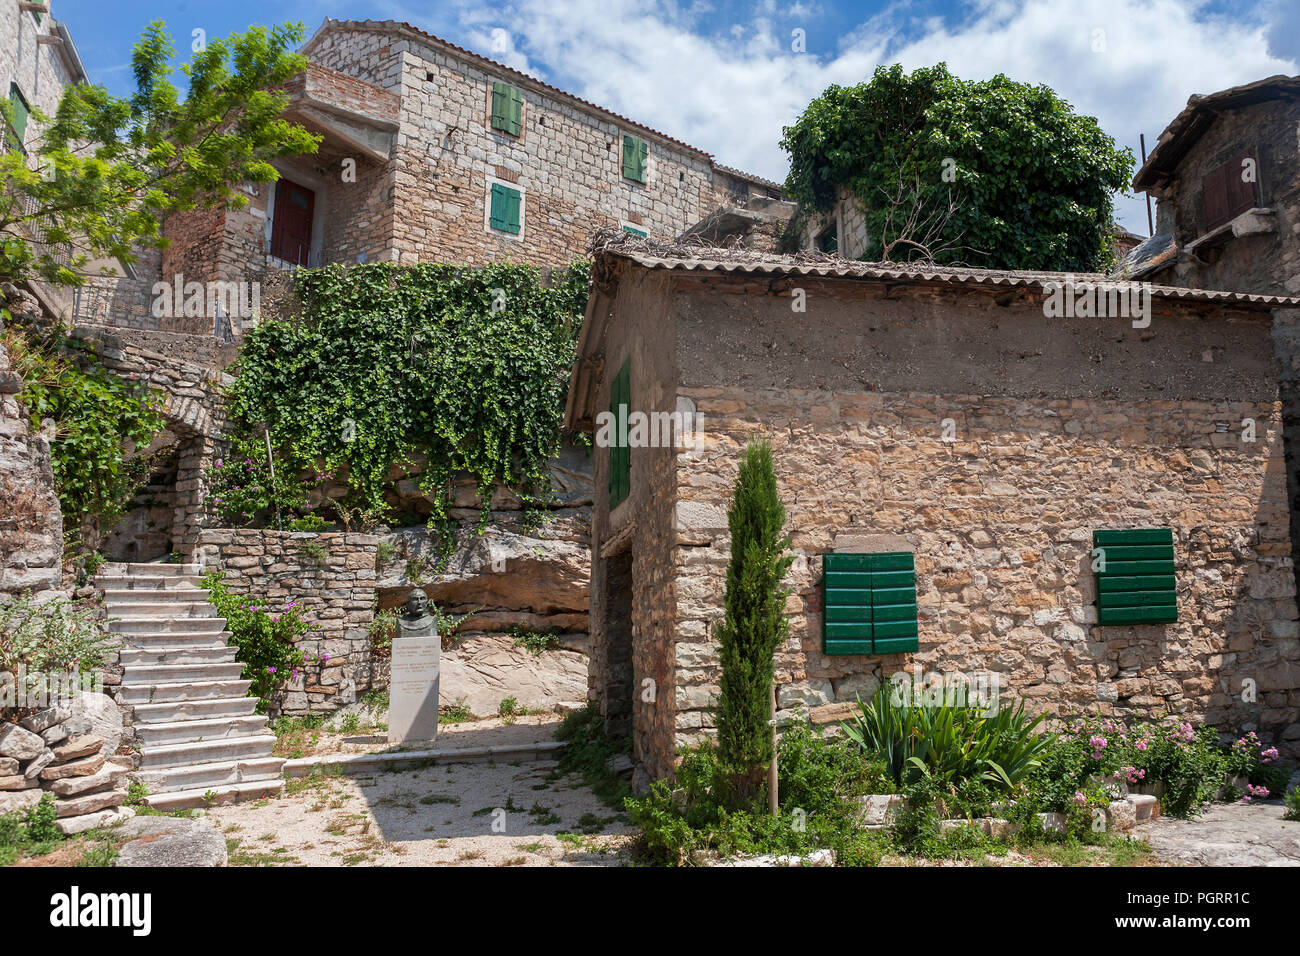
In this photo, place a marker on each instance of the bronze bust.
(416, 621)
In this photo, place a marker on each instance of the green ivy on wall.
(466, 366)
(100, 419)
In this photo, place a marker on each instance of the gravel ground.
(477, 814)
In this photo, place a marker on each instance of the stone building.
(943, 419)
(433, 153)
(1226, 177)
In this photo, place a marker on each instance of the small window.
(620, 463)
(1229, 190)
(507, 109)
(507, 209)
(1136, 583)
(869, 603)
(18, 112)
(636, 153)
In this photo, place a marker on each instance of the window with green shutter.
(18, 113)
(869, 603)
(507, 108)
(1135, 576)
(620, 461)
(636, 152)
(635, 231)
(505, 211)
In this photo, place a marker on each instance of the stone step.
(195, 709)
(204, 776)
(180, 625)
(174, 673)
(147, 613)
(147, 640)
(195, 731)
(115, 583)
(127, 600)
(137, 694)
(213, 796)
(205, 751)
(176, 654)
(118, 568)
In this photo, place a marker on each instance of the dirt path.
(519, 814)
(1227, 834)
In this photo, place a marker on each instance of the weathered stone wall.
(31, 524)
(1000, 522)
(337, 595)
(1267, 262)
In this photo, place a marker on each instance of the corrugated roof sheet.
(658, 255)
(1148, 256)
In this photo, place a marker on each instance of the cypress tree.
(755, 622)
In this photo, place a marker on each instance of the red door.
(291, 222)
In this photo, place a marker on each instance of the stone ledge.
(405, 759)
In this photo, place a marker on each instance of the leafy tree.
(993, 173)
(107, 169)
(754, 624)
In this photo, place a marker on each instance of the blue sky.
(724, 75)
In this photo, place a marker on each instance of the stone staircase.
(199, 738)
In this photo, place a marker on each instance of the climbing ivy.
(466, 366)
(101, 421)
(1000, 174)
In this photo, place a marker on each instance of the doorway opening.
(618, 689)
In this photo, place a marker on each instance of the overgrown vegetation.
(754, 623)
(35, 833)
(265, 639)
(992, 173)
(535, 640)
(588, 752)
(462, 368)
(101, 420)
(52, 637)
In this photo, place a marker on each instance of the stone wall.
(1000, 522)
(31, 524)
(337, 593)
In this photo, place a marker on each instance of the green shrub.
(52, 637)
(265, 641)
(535, 640)
(33, 832)
(950, 740)
(588, 751)
(1292, 803)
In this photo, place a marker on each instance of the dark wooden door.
(291, 225)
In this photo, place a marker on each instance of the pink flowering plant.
(242, 490)
(265, 638)
(1249, 759)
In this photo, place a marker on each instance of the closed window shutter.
(513, 220)
(1214, 197)
(869, 603)
(1136, 583)
(516, 115)
(498, 213)
(635, 153)
(507, 108)
(620, 394)
(1242, 193)
(18, 112)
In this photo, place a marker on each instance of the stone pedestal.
(413, 689)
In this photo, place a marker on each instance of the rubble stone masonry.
(1001, 522)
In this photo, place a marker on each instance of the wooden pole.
(771, 771)
(1151, 228)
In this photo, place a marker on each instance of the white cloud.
(731, 92)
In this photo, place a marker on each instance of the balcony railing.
(129, 304)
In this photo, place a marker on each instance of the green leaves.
(1030, 183)
(120, 165)
(466, 368)
(100, 420)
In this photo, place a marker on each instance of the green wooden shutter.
(1136, 583)
(620, 461)
(18, 113)
(507, 108)
(504, 213)
(635, 153)
(634, 231)
(869, 603)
